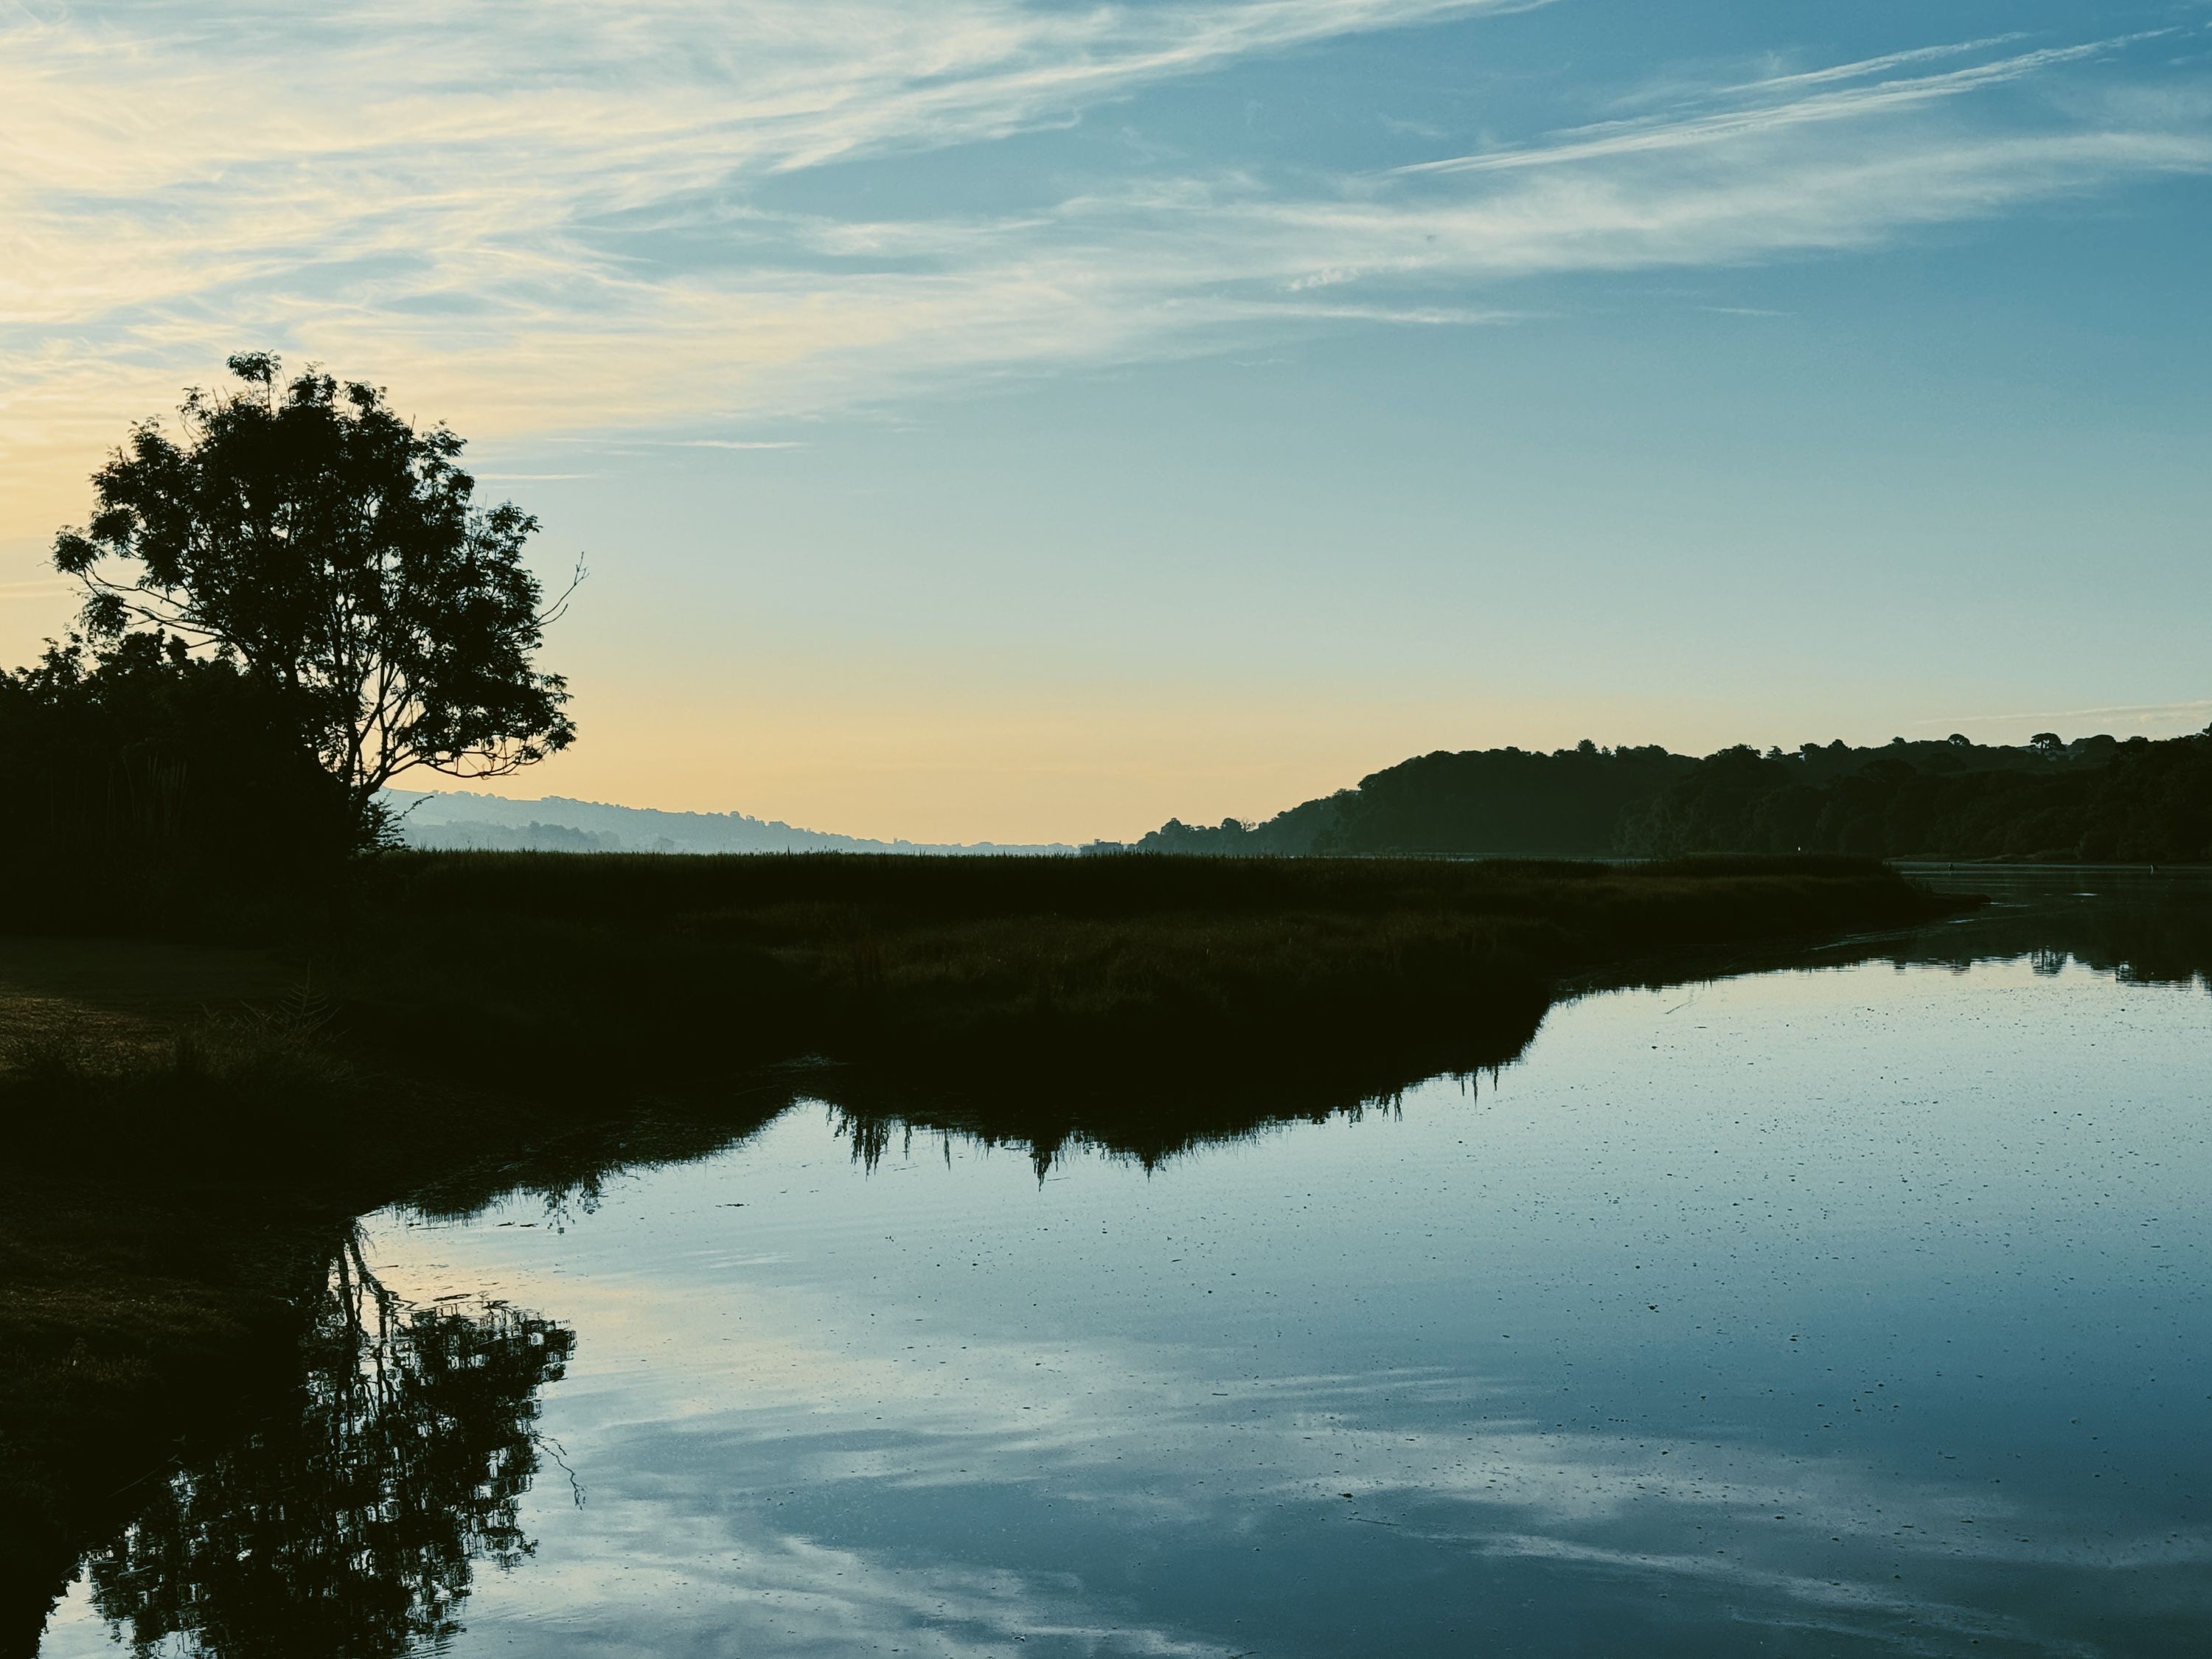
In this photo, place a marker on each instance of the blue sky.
(1025, 421)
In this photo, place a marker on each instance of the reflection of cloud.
(541, 217)
(698, 1502)
(802, 1596)
(1445, 1459)
(1827, 1605)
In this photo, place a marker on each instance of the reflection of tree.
(2142, 930)
(351, 1527)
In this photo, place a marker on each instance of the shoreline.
(196, 1128)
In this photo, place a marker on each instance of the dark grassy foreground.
(192, 1129)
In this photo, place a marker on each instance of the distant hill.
(2094, 799)
(458, 820)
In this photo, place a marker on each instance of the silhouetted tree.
(2092, 799)
(1497, 803)
(311, 534)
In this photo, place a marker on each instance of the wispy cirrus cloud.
(1864, 68)
(1762, 111)
(2155, 716)
(410, 188)
(531, 218)
(44, 589)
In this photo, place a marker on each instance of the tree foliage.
(140, 759)
(2133, 802)
(2094, 798)
(310, 532)
(1489, 803)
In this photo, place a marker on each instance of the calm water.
(1822, 1311)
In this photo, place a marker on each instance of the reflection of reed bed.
(1152, 1105)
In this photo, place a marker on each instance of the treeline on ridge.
(2094, 799)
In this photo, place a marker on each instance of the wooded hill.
(2094, 799)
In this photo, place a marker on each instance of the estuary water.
(1855, 1307)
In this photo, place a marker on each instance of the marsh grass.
(598, 971)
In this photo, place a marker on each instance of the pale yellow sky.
(954, 768)
(894, 757)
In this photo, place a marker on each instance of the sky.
(989, 420)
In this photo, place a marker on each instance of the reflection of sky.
(1855, 1309)
(1908, 1260)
